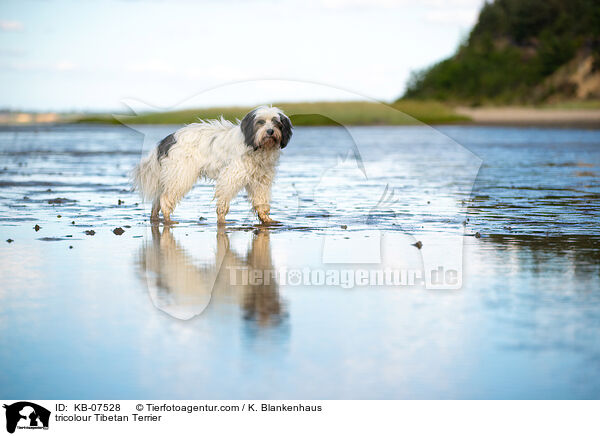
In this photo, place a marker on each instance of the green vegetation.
(514, 47)
(311, 114)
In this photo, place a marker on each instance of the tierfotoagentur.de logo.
(26, 415)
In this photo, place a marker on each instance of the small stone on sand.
(90, 232)
(36, 228)
(344, 226)
(60, 200)
(118, 231)
(418, 244)
(477, 235)
(9, 240)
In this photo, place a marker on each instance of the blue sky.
(89, 55)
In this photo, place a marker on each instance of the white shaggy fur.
(235, 156)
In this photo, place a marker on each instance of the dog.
(235, 156)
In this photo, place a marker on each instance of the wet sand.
(523, 116)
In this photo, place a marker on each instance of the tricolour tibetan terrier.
(235, 156)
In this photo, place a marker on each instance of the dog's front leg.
(259, 193)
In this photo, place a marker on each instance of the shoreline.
(461, 115)
(526, 116)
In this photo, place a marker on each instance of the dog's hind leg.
(177, 181)
(155, 210)
(167, 204)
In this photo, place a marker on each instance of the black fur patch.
(165, 145)
(247, 127)
(286, 130)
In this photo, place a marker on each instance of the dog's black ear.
(247, 127)
(286, 130)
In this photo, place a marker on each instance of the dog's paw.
(270, 222)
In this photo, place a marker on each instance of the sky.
(78, 55)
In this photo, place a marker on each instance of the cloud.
(336, 4)
(65, 66)
(452, 12)
(470, 4)
(462, 17)
(381, 4)
(11, 52)
(151, 66)
(37, 67)
(168, 68)
(11, 26)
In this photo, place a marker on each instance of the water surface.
(153, 313)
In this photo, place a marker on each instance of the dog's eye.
(260, 122)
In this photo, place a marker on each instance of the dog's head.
(266, 127)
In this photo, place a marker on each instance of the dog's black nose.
(270, 131)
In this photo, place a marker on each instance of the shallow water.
(158, 312)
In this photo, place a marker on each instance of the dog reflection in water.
(183, 286)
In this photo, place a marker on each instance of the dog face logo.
(24, 414)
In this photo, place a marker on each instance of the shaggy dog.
(235, 156)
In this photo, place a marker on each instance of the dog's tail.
(145, 177)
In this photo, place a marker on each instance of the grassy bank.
(311, 114)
